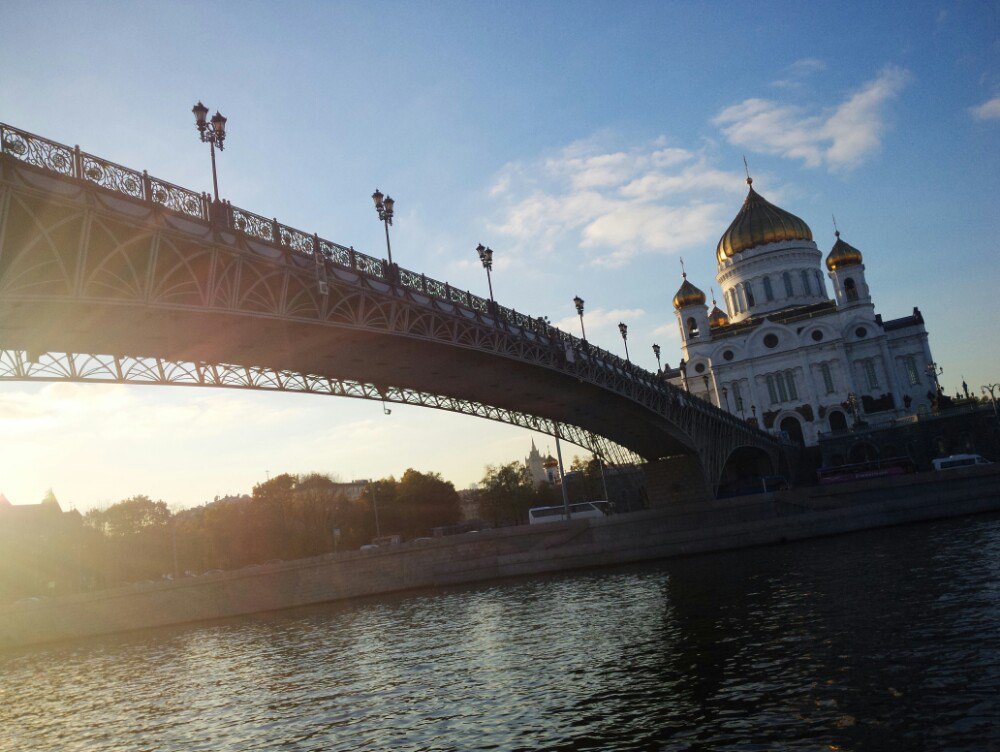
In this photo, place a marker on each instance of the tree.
(129, 516)
(425, 501)
(507, 494)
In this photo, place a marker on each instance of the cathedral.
(783, 354)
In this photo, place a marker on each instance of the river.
(883, 640)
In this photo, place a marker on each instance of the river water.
(884, 640)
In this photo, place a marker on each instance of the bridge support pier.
(676, 480)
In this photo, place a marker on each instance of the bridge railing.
(73, 163)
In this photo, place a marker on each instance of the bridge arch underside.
(746, 462)
(389, 362)
(86, 271)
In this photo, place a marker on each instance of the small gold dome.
(759, 222)
(717, 317)
(550, 461)
(842, 255)
(688, 295)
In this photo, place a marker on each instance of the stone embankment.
(475, 557)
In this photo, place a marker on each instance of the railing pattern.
(68, 161)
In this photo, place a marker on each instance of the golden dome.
(758, 223)
(717, 317)
(550, 461)
(688, 295)
(842, 254)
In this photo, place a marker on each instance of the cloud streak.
(839, 138)
(613, 204)
(988, 110)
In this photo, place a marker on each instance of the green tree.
(507, 494)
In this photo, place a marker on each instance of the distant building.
(42, 547)
(784, 355)
(536, 466)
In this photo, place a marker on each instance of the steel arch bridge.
(108, 274)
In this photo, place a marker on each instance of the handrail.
(67, 161)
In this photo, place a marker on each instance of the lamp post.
(753, 409)
(383, 207)
(992, 388)
(624, 332)
(578, 302)
(852, 402)
(656, 352)
(935, 370)
(725, 399)
(214, 132)
(486, 256)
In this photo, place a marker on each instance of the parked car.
(959, 460)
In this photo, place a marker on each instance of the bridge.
(108, 274)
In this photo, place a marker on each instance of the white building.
(786, 355)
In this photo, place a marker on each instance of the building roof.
(759, 222)
(688, 295)
(842, 255)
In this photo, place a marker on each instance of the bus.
(864, 470)
(584, 510)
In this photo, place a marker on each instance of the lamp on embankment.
(623, 328)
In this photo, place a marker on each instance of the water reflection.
(882, 640)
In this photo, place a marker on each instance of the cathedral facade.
(783, 354)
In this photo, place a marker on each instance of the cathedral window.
(819, 283)
(850, 289)
(787, 279)
(692, 327)
(781, 387)
(737, 396)
(806, 283)
(749, 291)
(870, 375)
(824, 369)
(768, 291)
(790, 381)
(912, 375)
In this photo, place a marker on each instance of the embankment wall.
(682, 529)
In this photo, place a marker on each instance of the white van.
(580, 511)
(959, 460)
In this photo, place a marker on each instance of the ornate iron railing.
(71, 162)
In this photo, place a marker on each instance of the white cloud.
(797, 72)
(600, 321)
(988, 110)
(613, 203)
(841, 137)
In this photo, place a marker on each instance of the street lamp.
(935, 370)
(214, 132)
(624, 331)
(852, 402)
(486, 256)
(992, 388)
(725, 399)
(753, 409)
(383, 207)
(578, 302)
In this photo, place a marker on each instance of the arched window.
(838, 421)
(819, 283)
(692, 326)
(738, 294)
(730, 302)
(850, 289)
(768, 291)
(749, 291)
(806, 283)
(787, 278)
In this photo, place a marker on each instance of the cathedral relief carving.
(797, 340)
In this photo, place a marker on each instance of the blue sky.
(590, 144)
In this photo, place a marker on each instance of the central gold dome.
(758, 223)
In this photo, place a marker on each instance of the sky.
(590, 144)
